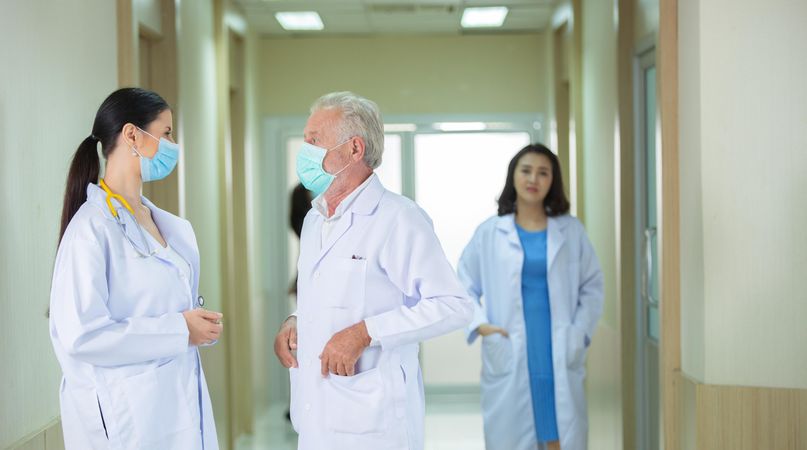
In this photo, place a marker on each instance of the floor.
(451, 423)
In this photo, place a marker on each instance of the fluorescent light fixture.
(300, 20)
(484, 17)
(399, 127)
(460, 126)
(499, 126)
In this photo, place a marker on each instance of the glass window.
(458, 179)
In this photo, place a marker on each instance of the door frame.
(669, 227)
(645, 56)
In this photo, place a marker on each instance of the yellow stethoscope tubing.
(111, 195)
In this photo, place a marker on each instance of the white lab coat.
(381, 263)
(130, 379)
(490, 268)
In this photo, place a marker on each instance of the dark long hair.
(555, 202)
(128, 105)
(300, 204)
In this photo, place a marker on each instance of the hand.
(286, 342)
(343, 350)
(204, 326)
(487, 329)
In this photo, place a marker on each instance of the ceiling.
(395, 16)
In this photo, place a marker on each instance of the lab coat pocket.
(497, 355)
(294, 372)
(344, 283)
(575, 347)
(355, 404)
(158, 403)
(88, 410)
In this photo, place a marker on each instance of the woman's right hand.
(487, 329)
(204, 326)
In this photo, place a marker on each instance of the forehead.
(164, 119)
(321, 121)
(535, 160)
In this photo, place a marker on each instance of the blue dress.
(538, 324)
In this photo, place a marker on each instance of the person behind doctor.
(538, 293)
(373, 283)
(124, 318)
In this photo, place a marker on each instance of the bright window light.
(399, 127)
(301, 20)
(460, 126)
(484, 17)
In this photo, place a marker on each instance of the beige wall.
(744, 81)
(50, 87)
(407, 75)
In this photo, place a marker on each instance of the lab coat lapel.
(338, 230)
(555, 240)
(178, 234)
(364, 204)
(507, 225)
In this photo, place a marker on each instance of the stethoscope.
(200, 301)
(111, 195)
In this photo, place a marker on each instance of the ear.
(130, 135)
(357, 148)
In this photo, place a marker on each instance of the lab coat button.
(316, 274)
(308, 406)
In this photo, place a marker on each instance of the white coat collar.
(364, 204)
(176, 231)
(555, 235)
(321, 206)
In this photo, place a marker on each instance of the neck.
(125, 183)
(340, 191)
(531, 217)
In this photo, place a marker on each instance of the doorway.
(647, 213)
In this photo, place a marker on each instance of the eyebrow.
(530, 166)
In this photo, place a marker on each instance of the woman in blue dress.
(538, 292)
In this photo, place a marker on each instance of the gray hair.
(360, 117)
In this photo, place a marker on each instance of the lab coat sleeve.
(590, 294)
(82, 320)
(414, 261)
(469, 271)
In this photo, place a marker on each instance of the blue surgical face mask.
(162, 163)
(310, 170)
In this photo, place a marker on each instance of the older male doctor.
(373, 283)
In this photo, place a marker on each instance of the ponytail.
(84, 169)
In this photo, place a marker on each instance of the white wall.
(198, 127)
(753, 160)
(599, 156)
(56, 71)
(690, 189)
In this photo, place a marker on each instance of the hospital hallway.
(452, 422)
(678, 127)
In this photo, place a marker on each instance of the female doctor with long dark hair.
(125, 314)
(538, 294)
